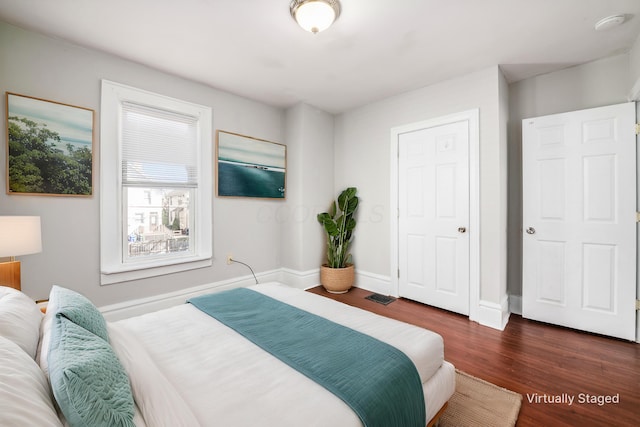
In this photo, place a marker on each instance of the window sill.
(109, 278)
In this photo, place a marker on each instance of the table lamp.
(19, 235)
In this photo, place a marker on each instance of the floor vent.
(381, 299)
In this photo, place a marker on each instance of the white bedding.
(187, 368)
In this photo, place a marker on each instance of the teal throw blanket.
(379, 382)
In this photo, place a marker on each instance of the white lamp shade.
(315, 16)
(20, 235)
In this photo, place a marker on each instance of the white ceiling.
(374, 50)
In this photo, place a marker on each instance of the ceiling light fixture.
(315, 15)
(610, 22)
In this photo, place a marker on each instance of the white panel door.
(579, 220)
(433, 217)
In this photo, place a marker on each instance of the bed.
(182, 367)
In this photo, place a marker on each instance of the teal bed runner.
(378, 381)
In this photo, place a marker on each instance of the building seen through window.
(157, 221)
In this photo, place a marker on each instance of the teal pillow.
(89, 383)
(79, 310)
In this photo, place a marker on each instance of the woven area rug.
(480, 403)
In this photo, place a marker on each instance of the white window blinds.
(159, 147)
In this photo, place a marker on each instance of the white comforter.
(188, 369)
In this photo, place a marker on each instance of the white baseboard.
(489, 314)
(140, 306)
(311, 278)
(295, 279)
(300, 279)
(373, 282)
(494, 315)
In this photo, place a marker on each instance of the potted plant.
(337, 275)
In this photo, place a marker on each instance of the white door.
(433, 216)
(579, 220)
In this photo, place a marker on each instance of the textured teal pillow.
(89, 383)
(79, 310)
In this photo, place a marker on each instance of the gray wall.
(323, 158)
(310, 169)
(634, 64)
(39, 66)
(362, 159)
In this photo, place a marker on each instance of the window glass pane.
(158, 222)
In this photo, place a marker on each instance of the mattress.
(185, 365)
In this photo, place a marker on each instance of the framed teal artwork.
(250, 167)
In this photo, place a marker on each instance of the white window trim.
(112, 267)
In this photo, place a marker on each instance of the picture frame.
(250, 167)
(49, 147)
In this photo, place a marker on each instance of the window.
(156, 184)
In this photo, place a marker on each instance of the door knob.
(462, 230)
(531, 230)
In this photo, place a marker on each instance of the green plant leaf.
(332, 209)
(339, 224)
(352, 205)
(322, 217)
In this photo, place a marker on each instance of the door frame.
(473, 119)
(636, 100)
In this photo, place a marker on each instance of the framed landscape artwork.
(250, 167)
(50, 147)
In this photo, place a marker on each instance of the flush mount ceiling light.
(315, 15)
(610, 22)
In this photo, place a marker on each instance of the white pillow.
(160, 403)
(20, 319)
(25, 398)
(45, 337)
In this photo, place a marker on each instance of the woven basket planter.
(337, 280)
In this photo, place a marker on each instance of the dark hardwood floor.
(533, 359)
